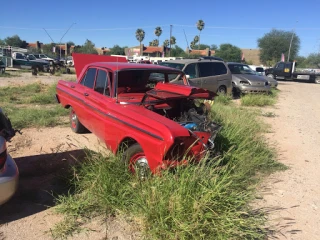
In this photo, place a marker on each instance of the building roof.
(152, 49)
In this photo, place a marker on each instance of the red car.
(133, 108)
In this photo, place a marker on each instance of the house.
(150, 51)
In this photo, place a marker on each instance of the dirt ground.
(43, 155)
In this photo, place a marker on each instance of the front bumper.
(253, 89)
(9, 178)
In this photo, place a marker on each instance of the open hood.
(81, 60)
(166, 91)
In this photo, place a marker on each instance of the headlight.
(244, 83)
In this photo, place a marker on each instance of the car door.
(279, 70)
(192, 71)
(83, 91)
(100, 100)
(207, 78)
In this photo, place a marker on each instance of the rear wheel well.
(125, 144)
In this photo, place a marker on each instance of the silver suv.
(209, 74)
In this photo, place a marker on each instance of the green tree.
(301, 61)
(117, 50)
(203, 46)
(173, 40)
(276, 42)
(192, 45)
(140, 34)
(88, 47)
(48, 48)
(166, 43)
(178, 52)
(196, 39)
(312, 61)
(213, 47)
(229, 53)
(158, 32)
(200, 27)
(71, 43)
(15, 41)
(2, 42)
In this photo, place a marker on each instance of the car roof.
(114, 66)
(184, 61)
(236, 63)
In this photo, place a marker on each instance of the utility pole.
(170, 40)
(63, 36)
(291, 42)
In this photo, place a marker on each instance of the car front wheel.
(136, 160)
(270, 76)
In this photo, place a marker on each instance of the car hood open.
(168, 91)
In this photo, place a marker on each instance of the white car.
(9, 173)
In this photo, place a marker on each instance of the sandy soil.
(44, 157)
(293, 196)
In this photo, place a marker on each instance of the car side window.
(89, 78)
(102, 85)
(219, 68)
(280, 66)
(191, 70)
(205, 69)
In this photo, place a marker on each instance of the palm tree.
(140, 34)
(200, 27)
(172, 40)
(192, 45)
(155, 42)
(196, 39)
(158, 32)
(166, 43)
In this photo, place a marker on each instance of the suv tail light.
(3, 157)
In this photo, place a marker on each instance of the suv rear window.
(212, 69)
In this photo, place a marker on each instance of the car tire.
(134, 157)
(222, 90)
(34, 71)
(270, 76)
(75, 124)
(317, 80)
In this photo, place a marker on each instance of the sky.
(106, 23)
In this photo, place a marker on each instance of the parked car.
(244, 80)
(9, 173)
(258, 69)
(211, 58)
(45, 57)
(212, 75)
(21, 60)
(2, 67)
(69, 61)
(135, 109)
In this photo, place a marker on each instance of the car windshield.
(240, 69)
(172, 65)
(43, 56)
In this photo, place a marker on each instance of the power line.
(176, 25)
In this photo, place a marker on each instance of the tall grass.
(258, 100)
(204, 201)
(31, 93)
(22, 117)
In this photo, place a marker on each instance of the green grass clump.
(22, 117)
(204, 201)
(223, 99)
(26, 94)
(258, 100)
(9, 75)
